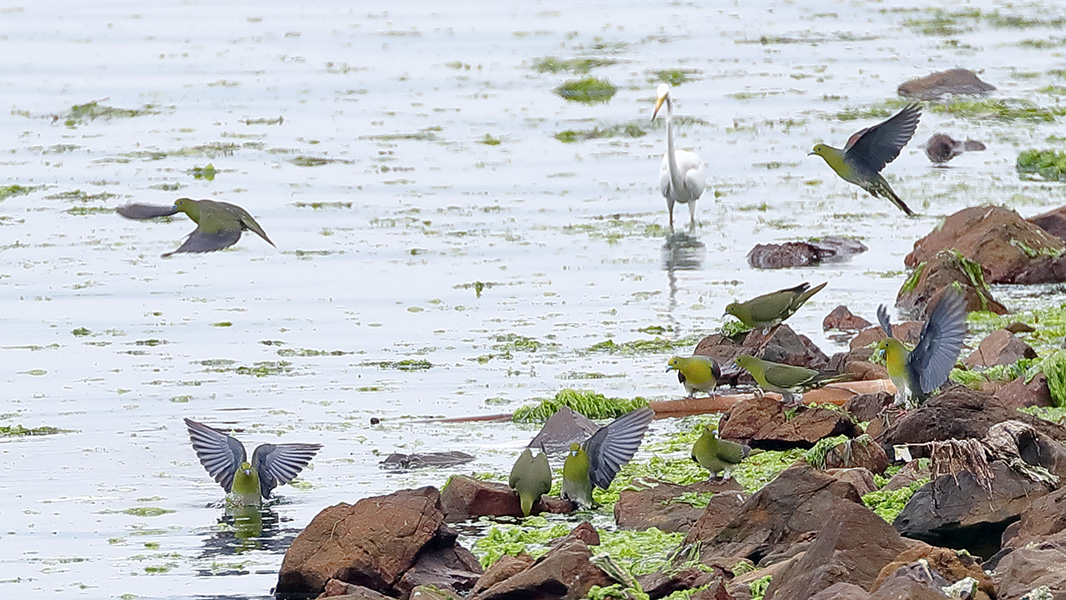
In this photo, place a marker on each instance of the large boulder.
(1041, 563)
(565, 572)
(466, 498)
(1053, 222)
(952, 81)
(371, 543)
(842, 318)
(1020, 393)
(786, 512)
(804, 254)
(505, 567)
(1008, 248)
(853, 547)
(761, 422)
(860, 452)
(662, 504)
(950, 565)
(1000, 347)
(780, 344)
(946, 271)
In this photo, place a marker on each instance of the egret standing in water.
(683, 174)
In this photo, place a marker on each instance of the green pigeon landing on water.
(697, 373)
(218, 224)
(787, 380)
(597, 461)
(869, 150)
(247, 483)
(770, 310)
(918, 372)
(531, 478)
(718, 455)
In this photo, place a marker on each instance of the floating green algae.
(90, 111)
(408, 364)
(673, 76)
(589, 90)
(20, 431)
(586, 402)
(629, 130)
(889, 503)
(656, 345)
(531, 537)
(1049, 165)
(7, 191)
(577, 66)
(759, 586)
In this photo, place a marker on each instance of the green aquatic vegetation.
(733, 328)
(759, 586)
(264, 121)
(642, 552)
(489, 140)
(147, 511)
(20, 431)
(673, 76)
(889, 503)
(1004, 109)
(1049, 324)
(815, 457)
(941, 22)
(520, 343)
(206, 172)
(630, 130)
(316, 161)
(308, 352)
(656, 345)
(80, 211)
(322, 205)
(477, 286)
(1054, 414)
(757, 470)
(427, 134)
(531, 537)
(615, 590)
(90, 111)
(1045, 252)
(577, 66)
(975, 379)
(408, 364)
(880, 110)
(696, 499)
(7, 191)
(590, 90)
(80, 332)
(588, 403)
(1053, 366)
(259, 369)
(1049, 165)
(80, 196)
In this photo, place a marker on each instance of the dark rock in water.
(659, 504)
(1001, 347)
(1025, 569)
(948, 566)
(939, 275)
(371, 543)
(563, 428)
(842, 318)
(955, 511)
(1008, 248)
(859, 452)
(786, 512)
(762, 423)
(1053, 222)
(853, 547)
(397, 460)
(504, 568)
(940, 148)
(952, 81)
(450, 567)
(781, 344)
(803, 254)
(564, 572)
(465, 498)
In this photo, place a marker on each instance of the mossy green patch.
(588, 403)
(1054, 414)
(642, 552)
(519, 343)
(80, 114)
(147, 511)
(309, 352)
(1049, 165)
(630, 130)
(408, 364)
(490, 140)
(759, 586)
(656, 345)
(590, 90)
(577, 66)
(7, 191)
(427, 134)
(673, 76)
(888, 503)
(815, 457)
(206, 172)
(975, 379)
(531, 537)
(316, 161)
(1003, 109)
(20, 431)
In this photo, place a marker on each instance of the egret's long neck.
(671, 157)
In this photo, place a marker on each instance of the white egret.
(683, 174)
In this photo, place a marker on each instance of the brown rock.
(449, 567)
(904, 586)
(781, 344)
(860, 452)
(1018, 393)
(907, 475)
(853, 547)
(843, 590)
(949, 564)
(1000, 241)
(909, 332)
(464, 498)
(342, 590)
(937, 276)
(1045, 518)
(865, 407)
(371, 543)
(1040, 564)
(659, 584)
(857, 364)
(740, 587)
(952, 81)
(564, 572)
(584, 532)
(860, 477)
(802, 254)
(716, 590)
(941, 147)
(505, 567)
(1001, 347)
(722, 508)
(761, 423)
(801, 500)
(1053, 222)
(399, 461)
(842, 318)
(432, 592)
(655, 504)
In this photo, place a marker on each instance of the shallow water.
(382, 246)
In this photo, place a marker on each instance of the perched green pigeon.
(869, 150)
(531, 478)
(597, 461)
(718, 455)
(247, 483)
(786, 380)
(920, 371)
(218, 224)
(697, 373)
(770, 310)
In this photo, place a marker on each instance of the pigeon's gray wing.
(278, 464)
(879, 145)
(198, 241)
(614, 444)
(219, 453)
(938, 349)
(146, 211)
(882, 318)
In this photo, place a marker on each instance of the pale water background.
(379, 248)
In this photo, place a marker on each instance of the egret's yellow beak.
(658, 105)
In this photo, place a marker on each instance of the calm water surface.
(355, 133)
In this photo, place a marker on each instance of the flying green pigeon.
(247, 483)
(696, 373)
(597, 461)
(218, 224)
(920, 371)
(770, 310)
(787, 380)
(869, 150)
(531, 478)
(718, 455)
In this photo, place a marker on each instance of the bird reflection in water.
(681, 252)
(244, 529)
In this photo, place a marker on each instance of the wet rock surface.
(563, 428)
(780, 344)
(952, 81)
(466, 498)
(842, 318)
(861, 452)
(661, 504)
(763, 423)
(1001, 347)
(943, 272)
(564, 572)
(399, 461)
(1020, 393)
(941, 147)
(804, 254)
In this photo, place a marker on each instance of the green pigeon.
(869, 150)
(247, 483)
(918, 372)
(597, 461)
(770, 310)
(718, 455)
(218, 224)
(697, 373)
(786, 380)
(531, 478)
